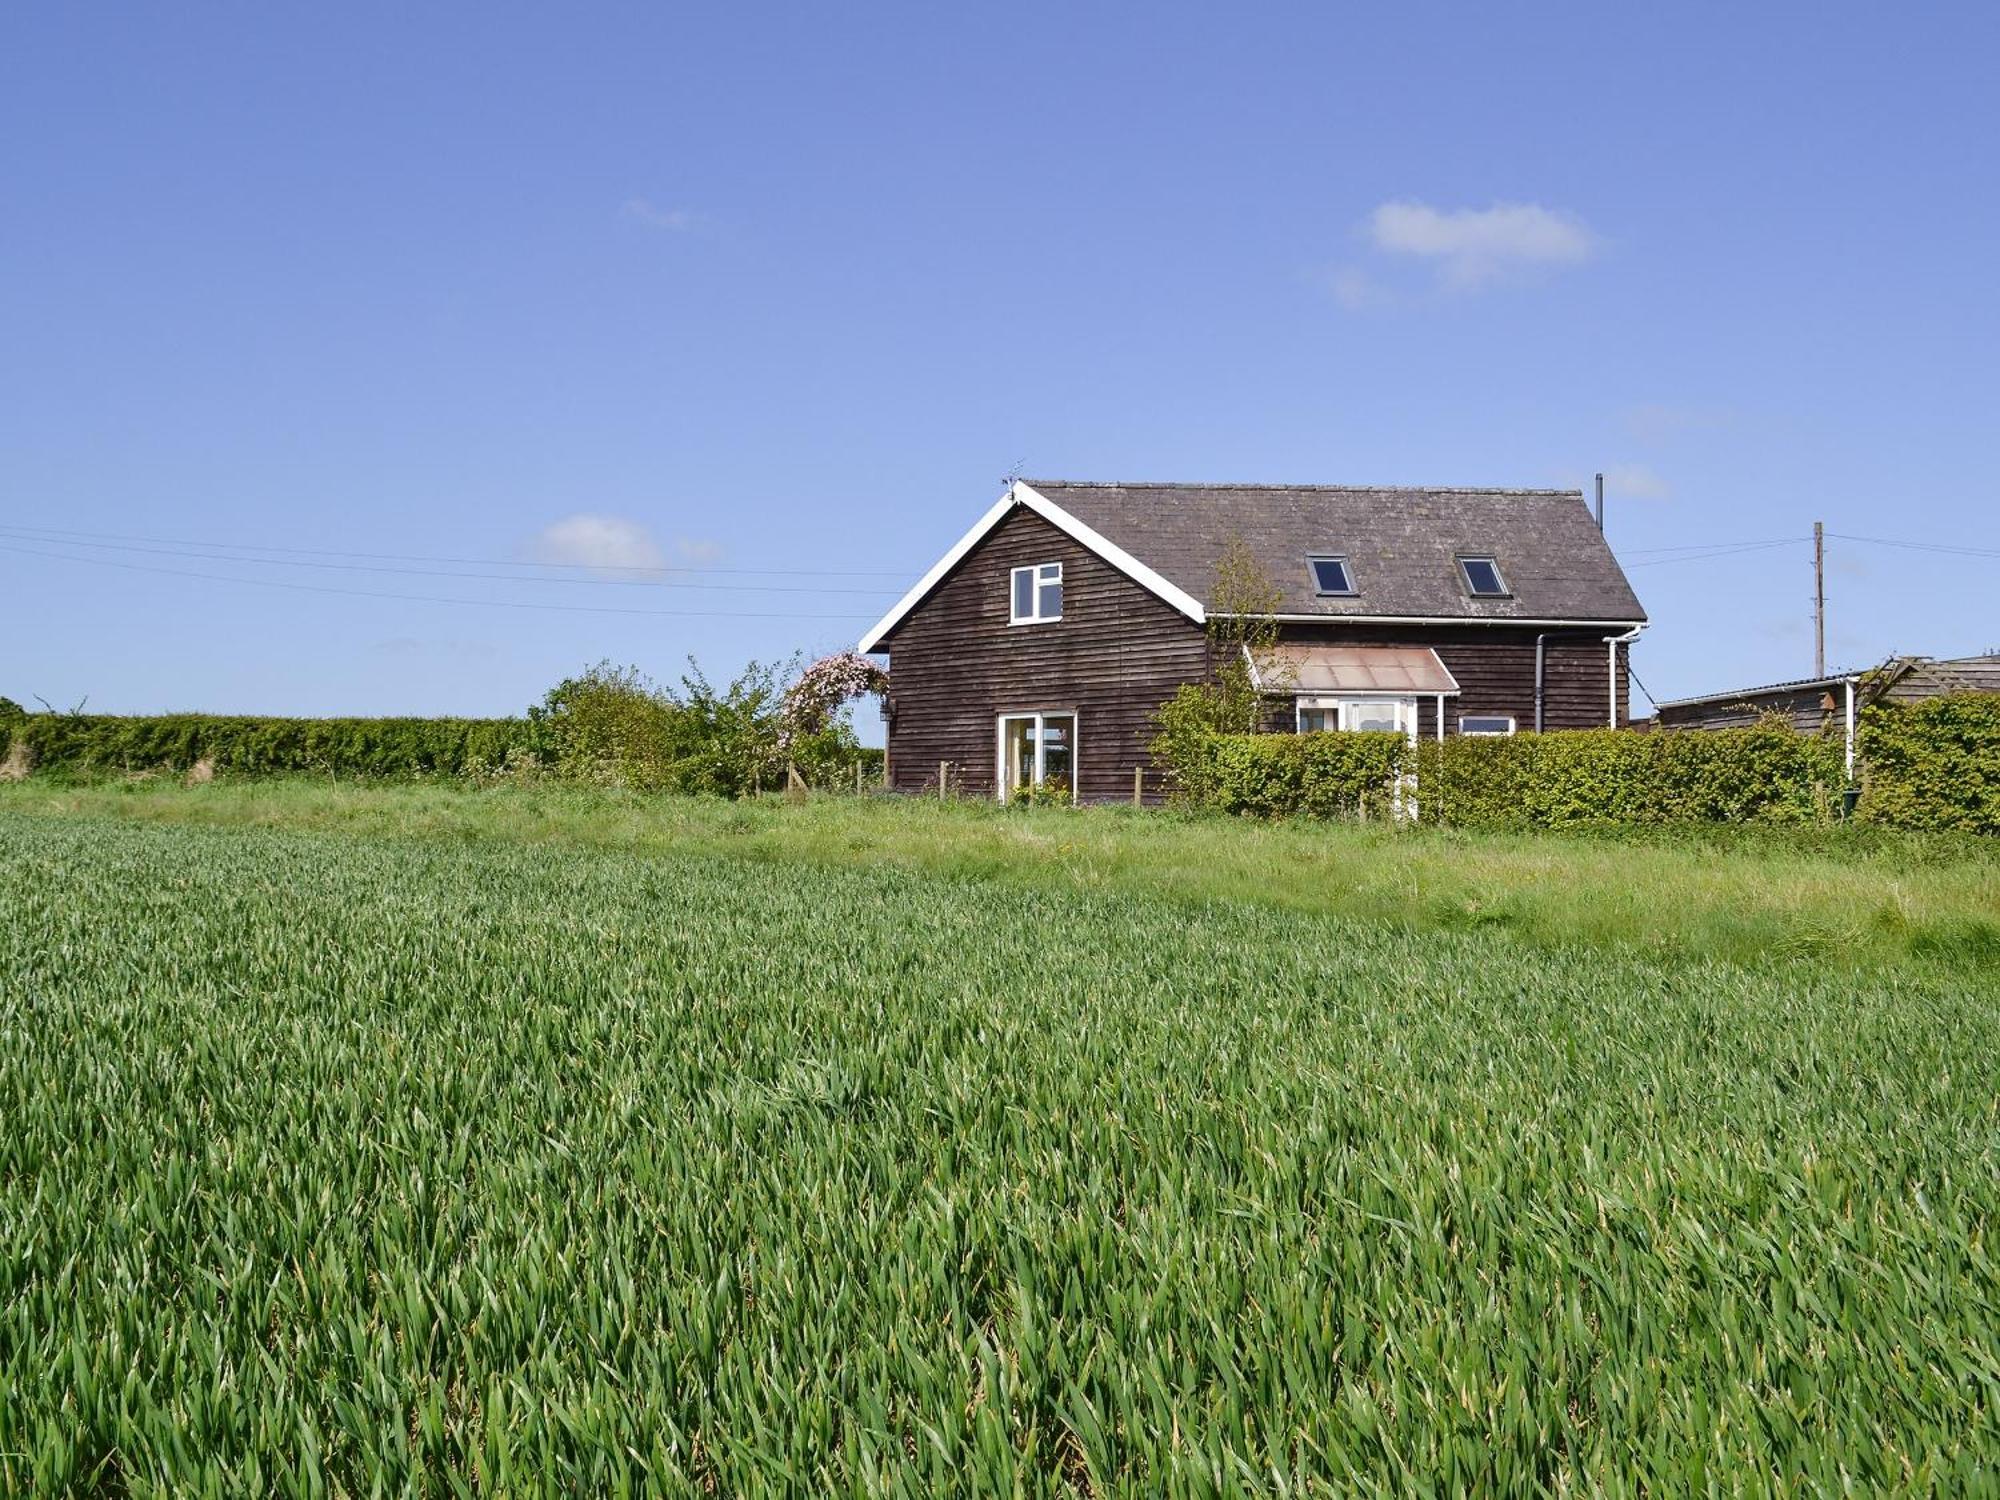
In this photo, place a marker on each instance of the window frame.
(1488, 734)
(1500, 578)
(1036, 583)
(1039, 717)
(1313, 559)
(1407, 708)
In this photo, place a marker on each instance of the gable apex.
(1020, 495)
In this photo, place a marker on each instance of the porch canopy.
(1394, 671)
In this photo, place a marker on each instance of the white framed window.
(1035, 594)
(1358, 714)
(1488, 724)
(1036, 749)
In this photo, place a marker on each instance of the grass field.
(417, 1140)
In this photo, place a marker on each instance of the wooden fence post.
(1138, 786)
(857, 778)
(944, 779)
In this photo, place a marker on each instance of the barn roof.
(1918, 676)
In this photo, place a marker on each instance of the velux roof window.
(1482, 578)
(1330, 575)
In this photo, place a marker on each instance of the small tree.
(1242, 635)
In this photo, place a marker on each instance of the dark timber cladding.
(1495, 669)
(1114, 657)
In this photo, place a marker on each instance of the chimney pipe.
(1600, 502)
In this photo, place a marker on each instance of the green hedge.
(341, 747)
(389, 749)
(1563, 779)
(1572, 778)
(1933, 765)
(1279, 775)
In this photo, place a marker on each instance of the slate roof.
(1402, 545)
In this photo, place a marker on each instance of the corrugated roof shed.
(1402, 545)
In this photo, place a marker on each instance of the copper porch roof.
(1353, 669)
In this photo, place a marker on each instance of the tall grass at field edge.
(1839, 897)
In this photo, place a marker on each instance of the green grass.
(1848, 896)
(422, 1141)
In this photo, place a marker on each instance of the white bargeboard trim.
(1025, 495)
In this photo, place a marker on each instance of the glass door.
(1037, 750)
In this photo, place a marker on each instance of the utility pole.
(1819, 598)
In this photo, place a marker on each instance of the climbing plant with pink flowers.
(823, 688)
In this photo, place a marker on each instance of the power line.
(1883, 541)
(65, 537)
(1715, 552)
(321, 588)
(1705, 547)
(19, 534)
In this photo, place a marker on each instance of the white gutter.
(1612, 643)
(1429, 620)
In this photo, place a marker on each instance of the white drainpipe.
(1612, 643)
(1850, 731)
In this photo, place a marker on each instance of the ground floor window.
(1389, 715)
(1037, 750)
(1488, 724)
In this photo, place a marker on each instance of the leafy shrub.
(613, 726)
(1571, 778)
(1289, 775)
(1933, 765)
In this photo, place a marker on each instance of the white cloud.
(673, 220)
(1473, 246)
(1355, 290)
(612, 544)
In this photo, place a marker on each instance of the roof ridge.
(1362, 489)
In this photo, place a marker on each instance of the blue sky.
(794, 290)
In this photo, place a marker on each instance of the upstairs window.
(1330, 576)
(1037, 594)
(1482, 578)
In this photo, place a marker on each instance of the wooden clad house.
(1039, 647)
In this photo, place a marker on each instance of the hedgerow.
(1933, 765)
(388, 748)
(607, 726)
(1583, 777)
(1563, 779)
(1280, 775)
